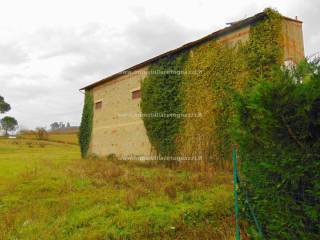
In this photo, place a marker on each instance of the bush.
(41, 134)
(278, 132)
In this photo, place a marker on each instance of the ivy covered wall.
(161, 94)
(264, 49)
(206, 98)
(209, 93)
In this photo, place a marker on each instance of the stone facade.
(118, 128)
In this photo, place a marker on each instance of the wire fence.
(237, 184)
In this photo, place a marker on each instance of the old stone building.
(117, 125)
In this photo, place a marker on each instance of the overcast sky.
(50, 49)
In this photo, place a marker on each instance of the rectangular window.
(136, 94)
(98, 105)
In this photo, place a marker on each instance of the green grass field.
(48, 192)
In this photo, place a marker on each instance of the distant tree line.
(59, 125)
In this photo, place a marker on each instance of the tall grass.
(54, 198)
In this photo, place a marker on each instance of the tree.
(41, 133)
(9, 124)
(54, 126)
(86, 125)
(59, 125)
(4, 107)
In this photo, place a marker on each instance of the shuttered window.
(98, 105)
(136, 94)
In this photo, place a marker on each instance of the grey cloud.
(90, 49)
(158, 33)
(96, 50)
(13, 76)
(150, 36)
(308, 12)
(89, 67)
(71, 41)
(25, 87)
(142, 39)
(12, 54)
(35, 101)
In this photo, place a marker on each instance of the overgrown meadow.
(48, 192)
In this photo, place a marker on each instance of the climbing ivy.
(223, 71)
(264, 50)
(161, 99)
(86, 124)
(209, 94)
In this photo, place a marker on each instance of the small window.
(136, 94)
(98, 105)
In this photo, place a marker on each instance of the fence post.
(235, 183)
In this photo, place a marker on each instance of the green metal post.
(236, 206)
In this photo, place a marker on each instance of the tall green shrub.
(161, 97)
(278, 131)
(86, 124)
